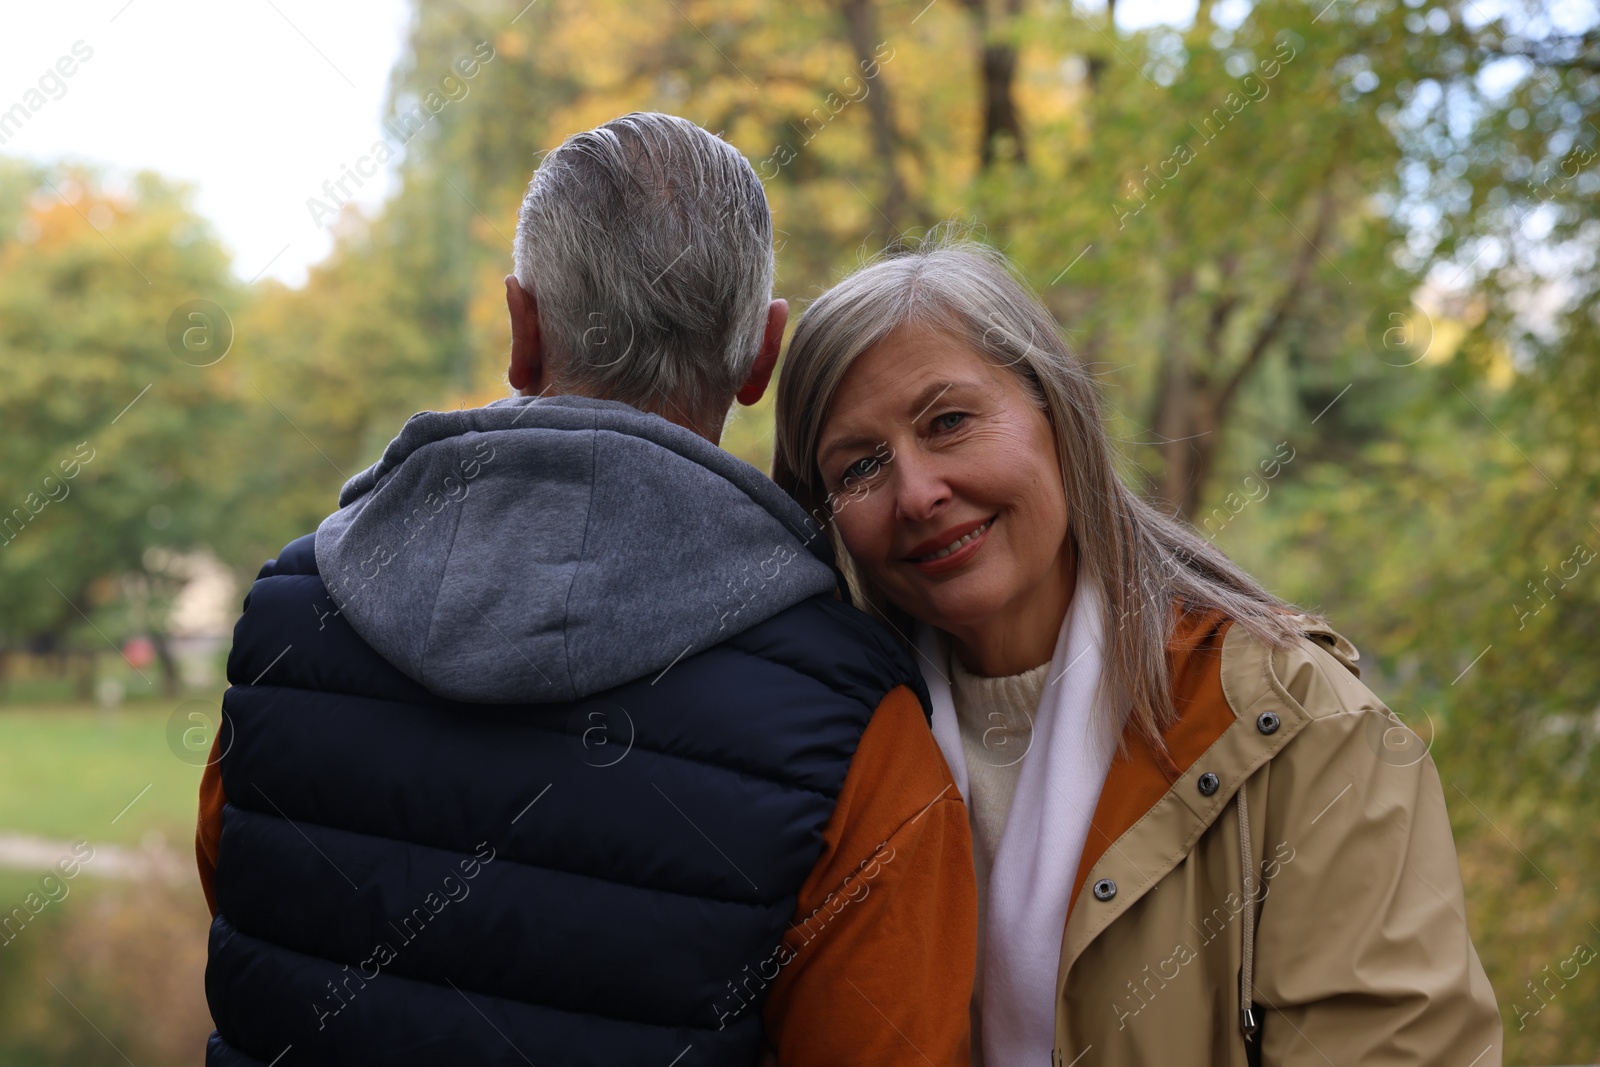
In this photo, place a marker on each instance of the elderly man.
(556, 743)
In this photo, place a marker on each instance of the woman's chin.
(954, 608)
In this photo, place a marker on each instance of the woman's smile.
(960, 544)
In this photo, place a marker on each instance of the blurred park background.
(1335, 262)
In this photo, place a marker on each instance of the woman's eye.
(949, 420)
(862, 468)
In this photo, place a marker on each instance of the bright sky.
(255, 102)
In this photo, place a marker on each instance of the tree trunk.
(861, 24)
(1178, 391)
(83, 676)
(997, 72)
(1000, 118)
(1193, 401)
(171, 683)
(1186, 428)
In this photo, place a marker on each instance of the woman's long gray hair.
(1151, 569)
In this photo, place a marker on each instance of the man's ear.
(527, 372)
(771, 342)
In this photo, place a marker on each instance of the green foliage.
(110, 436)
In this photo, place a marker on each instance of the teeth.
(945, 551)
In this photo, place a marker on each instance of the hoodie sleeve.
(877, 967)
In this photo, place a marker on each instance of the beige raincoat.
(1285, 865)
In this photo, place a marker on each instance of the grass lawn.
(110, 972)
(68, 771)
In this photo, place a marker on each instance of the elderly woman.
(1198, 837)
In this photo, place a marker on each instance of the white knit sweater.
(996, 720)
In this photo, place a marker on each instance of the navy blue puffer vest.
(407, 878)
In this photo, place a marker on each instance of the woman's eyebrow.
(935, 391)
(926, 397)
(853, 441)
(929, 397)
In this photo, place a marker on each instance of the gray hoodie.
(541, 550)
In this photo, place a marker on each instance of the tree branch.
(1220, 313)
(1273, 323)
(1571, 51)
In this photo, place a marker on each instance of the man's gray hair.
(647, 245)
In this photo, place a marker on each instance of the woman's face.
(949, 490)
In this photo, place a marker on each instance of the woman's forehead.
(905, 364)
(911, 360)
(897, 381)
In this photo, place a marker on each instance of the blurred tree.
(111, 422)
(1456, 537)
(1224, 197)
(329, 373)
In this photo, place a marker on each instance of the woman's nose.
(921, 491)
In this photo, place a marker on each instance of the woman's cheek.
(866, 530)
(851, 531)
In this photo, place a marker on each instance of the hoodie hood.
(539, 550)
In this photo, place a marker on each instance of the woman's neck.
(1021, 635)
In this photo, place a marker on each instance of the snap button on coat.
(1268, 722)
(1208, 783)
(1105, 889)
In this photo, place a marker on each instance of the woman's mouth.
(955, 553)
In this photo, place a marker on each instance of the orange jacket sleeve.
(878, 965)
(208, 830)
